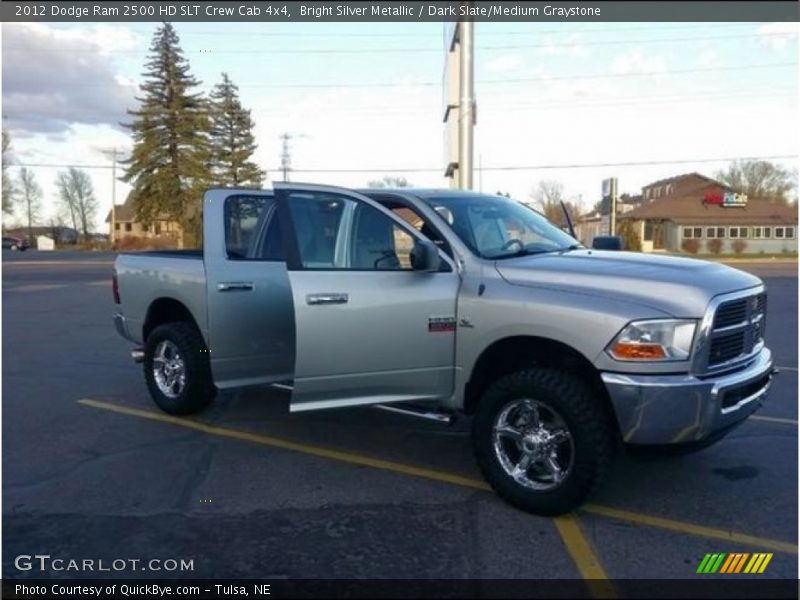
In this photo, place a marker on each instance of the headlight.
(661, 340)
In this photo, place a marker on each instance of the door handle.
(235, 286)
(327, 299)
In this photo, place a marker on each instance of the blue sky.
(369, 96)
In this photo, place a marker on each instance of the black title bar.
(399, 11)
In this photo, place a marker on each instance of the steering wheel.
(513, 241)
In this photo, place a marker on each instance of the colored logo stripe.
(710, 563)
(734, 562)
(727, 564)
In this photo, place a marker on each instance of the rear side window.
(243, 214)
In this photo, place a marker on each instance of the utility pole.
(286, 157)
(286, 152)
(112, 236)
(466, 104)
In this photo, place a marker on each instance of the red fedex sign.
(725, 199)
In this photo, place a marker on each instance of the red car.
(13, 243)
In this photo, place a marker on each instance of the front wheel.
(177, 369)
(542, 440)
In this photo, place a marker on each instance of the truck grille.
(731, 313)
(738, 329)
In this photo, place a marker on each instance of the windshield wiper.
(522, 252)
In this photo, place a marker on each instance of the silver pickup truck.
(442, 302)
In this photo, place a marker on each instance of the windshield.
(495, 227)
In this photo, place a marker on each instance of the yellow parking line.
(35, 287)
(774, 420)
(357, 459)
(584, 556)
(266, 440)
(578, 546)
(689, 528)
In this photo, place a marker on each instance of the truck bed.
(145, 277)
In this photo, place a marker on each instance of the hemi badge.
(439, 324)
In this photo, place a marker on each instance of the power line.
(491, 168)
(391, 84)
(640, 73)
(60, 165)
(483, 33)
(548, 167)
(570, 102)
(383, 50)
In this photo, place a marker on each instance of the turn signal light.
(628, 351)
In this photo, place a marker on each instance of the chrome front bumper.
(673, 409)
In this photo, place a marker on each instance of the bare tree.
(31, 195)
(548, 196)
(389, 181)
(760, 179)
(56, 226)
(77, 195)
(9, 190)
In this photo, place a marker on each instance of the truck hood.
(681, 287)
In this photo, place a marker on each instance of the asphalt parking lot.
(91, 469)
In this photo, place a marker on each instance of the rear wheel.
(542, 440)
(177, 369)
(14, 247)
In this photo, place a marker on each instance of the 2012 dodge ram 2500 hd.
(444, 302)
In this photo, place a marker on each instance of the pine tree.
(232, 140)
(169, 166)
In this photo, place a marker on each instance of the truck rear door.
(368, 328)
(249, 299)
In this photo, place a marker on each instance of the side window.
(318, 220)
(418, 223)
(339, 233)
(377, 242)
(242, 215)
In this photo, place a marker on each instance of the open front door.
(368, 328)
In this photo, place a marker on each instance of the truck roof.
(425, 193)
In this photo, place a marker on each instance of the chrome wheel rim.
(533, 444)
(169, 369)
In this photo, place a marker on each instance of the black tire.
(580, 410)
(199, 389)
